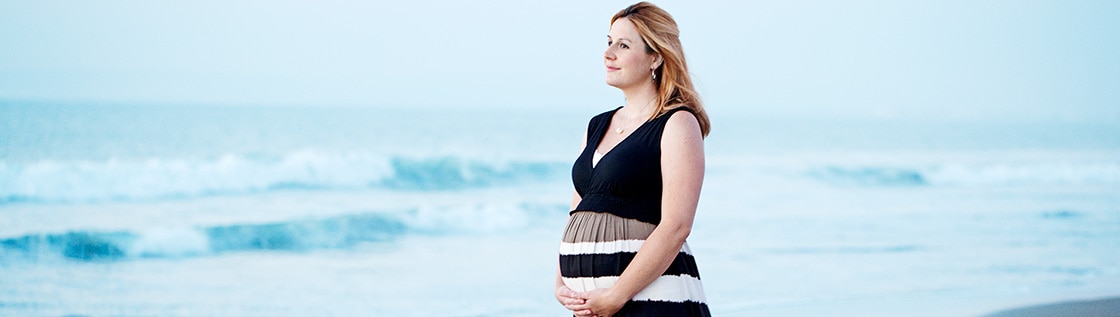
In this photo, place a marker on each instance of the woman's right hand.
(571, 300)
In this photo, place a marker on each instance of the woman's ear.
(657, 62)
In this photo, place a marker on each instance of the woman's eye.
(623, 46)
(609, 43)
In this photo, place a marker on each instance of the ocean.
(188, 210)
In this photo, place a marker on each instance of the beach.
(227, 211)
(415, 158)
(1084, 308)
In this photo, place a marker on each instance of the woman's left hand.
(602, 302)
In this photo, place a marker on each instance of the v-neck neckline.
(607, 131)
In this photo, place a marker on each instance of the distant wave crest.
(341, 231)
(996, 174)
(183, 242)
(122, 180)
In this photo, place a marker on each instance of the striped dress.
(620, 206)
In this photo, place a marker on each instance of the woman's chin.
(614, 82)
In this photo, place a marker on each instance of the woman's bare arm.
(682, 169)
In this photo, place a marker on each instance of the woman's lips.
(611, 68)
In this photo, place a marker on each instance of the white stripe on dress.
(666, 288)
(609, 247)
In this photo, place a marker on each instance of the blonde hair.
(674, 84)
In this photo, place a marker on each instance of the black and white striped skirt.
(597, 247)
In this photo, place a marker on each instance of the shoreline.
(1104, 306)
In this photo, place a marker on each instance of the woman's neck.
(641, 101)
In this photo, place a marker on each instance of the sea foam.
(52, 181)
(964, 174)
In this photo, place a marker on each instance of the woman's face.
(626, 59)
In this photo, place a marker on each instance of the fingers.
(572, 301)
(566, 292)
(571, 295)
(568, 300)
(568, 297)
(579, 305)
(576, 306)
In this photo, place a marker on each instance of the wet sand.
(1084, 308)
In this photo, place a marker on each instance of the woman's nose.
(608, 54)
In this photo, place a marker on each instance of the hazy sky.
(1027, 60)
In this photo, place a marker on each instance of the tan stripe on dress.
(589, 226)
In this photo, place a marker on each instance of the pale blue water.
(194, 210)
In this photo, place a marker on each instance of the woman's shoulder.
(681, 120)
(609, 113)
(605, 115)
(678, 112)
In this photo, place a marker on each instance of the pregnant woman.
(637, 182)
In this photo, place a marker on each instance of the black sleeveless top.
(627, 180)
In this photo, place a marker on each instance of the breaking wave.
(1022, 174)
(120, 180)
(297, 235)
(184, 242)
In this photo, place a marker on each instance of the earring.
(653, 72)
